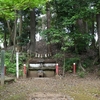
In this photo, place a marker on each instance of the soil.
(70, 87)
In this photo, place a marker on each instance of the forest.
(70, 28)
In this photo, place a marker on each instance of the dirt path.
(68, 88)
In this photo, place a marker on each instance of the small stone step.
(8, 79)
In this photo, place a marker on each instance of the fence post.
(74, 68)
(24, 71)
(2, 67)
(57, 69)
(17, 64)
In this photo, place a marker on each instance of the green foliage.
(11, 65)
(23, 39)
(81, 74)
(8, 7)
(87, 63)
(69, 63)
(64, 31)
(82, 41)
(36, 3)
(58, 55)
(67, 15)
(59, 36)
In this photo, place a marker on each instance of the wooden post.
(24, 71)
(2, 67)
(74, 68)
(57, 69)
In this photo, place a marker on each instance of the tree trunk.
(98, 31)
(5, 42)
(11, 33)
(15, 32)
(20, 22)
(48, 15)
(48, 26)
(14, 40)
(82, 26)
(32, 31)
(92, 31)
(20, 29)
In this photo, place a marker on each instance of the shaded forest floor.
(70, 87)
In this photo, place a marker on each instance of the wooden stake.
(2, 67)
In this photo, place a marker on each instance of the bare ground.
(70, 87)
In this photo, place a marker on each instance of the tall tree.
(48, 15)
(98, 30)
(32, 30)
(75, 17)
(8, 9)
(97, 4)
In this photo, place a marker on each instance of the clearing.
(70, 87)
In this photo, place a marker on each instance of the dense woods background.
(71, 29)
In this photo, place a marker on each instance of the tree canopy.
(8, 7)
(70, 25)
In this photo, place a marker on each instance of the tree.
(32, 30)
(9, 9)
(98, 23)
(48, 15)
(75, 17)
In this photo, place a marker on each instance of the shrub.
(81, 74)
(69, 63)
(11, 65)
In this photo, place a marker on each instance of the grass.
(83, 93)
(82, 96)
(1, 87)
(20, 96)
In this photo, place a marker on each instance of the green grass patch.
(81, 96)
(1, 87)
(83, 93)
(20, 96)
